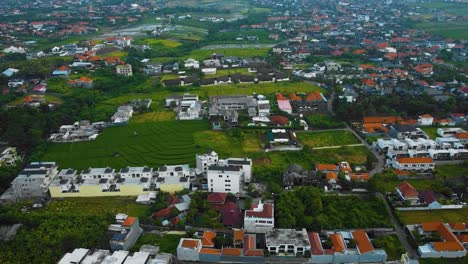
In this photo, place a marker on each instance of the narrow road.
(334, 147)
(400, 232)
(380, 161)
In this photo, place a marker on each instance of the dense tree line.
(394, 104)
(46, 236)
(308, 207)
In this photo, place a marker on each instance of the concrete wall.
(210, 258)
(322, 258)
(187, 254)
(95, 191)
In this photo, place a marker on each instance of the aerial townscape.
(244, 131)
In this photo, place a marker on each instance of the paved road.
(400, 232)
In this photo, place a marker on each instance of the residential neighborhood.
(248, 131)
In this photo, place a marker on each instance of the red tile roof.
(382, 119)
(238, 234)
(166, 212)
(232, 215)
(458, 226)
(407, 190)
(279, 120)
(217, 198)
(250, 248)
(325, 167)
(266, 213)
(231, 251)
(315, 244)
(190, 243)
(280, 96)
(338, 243)
(208, 237)
(415, 160)
(129, 221)
(331, 175)
(362, 241)
(463, 135)
(294, 97)
(450, 241)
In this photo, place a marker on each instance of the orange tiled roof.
(208, 237)
(374, 127)
(382, 119)
(85, 79)
(407, 189)
(311, 97)
(415, 160)
(331, 175)
(458, 226)
(362, 241)
(280, 96)
(294, 97)
(338, 244)
(364, 176)
(463, 135)
(463, 238)
(238, 234)
(450, 243)
(190, 243)
(231, 251)
(426, 116)
(325, 167)
(211, 251)
(129, 221)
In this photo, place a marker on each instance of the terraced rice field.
(138, 144)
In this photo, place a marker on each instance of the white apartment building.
(288, 241)
(245, 163)
(422, 164)
(225, 178)
(98, 173)
(136, 172)
(34, 180)
(125, 70)
(260, 218)
(203, 161)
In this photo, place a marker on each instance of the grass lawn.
(166, 243)
(455, 30)
(354, 155)
(444, 260)
(168, 43)
(58, 85)
(154, 116)
(227, 145)
(119, 54)
(450, 171)
(431, 132)
(201, 54)
(413, 217)
(391, 244)
(155, 144)
(98, 205)
(329, 138)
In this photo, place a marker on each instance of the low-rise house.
(123, 115)
(287, 241)
(208, 71)
(449, 245)
(8, 156)
(407, 192)
(260, 218)
(400, 131)
(147, 255)
(62, 71)
(423, 164)
(429, 199)
(125, 70)
(82, 82)
(282, 137)
(192, 63)
(449, 131)
(189, 249)
(79, 131)
(425, 120)
(263, 107)
(284, 103)
(173, 178)
(125, 232)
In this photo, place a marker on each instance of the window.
(220, 176)
(211, 180)
(227, 190)
(228, 185)
(227, 180)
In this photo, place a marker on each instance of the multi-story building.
(174, 178)
(225, 178)
(136, 172)
(98, 173)
(449, 246)
(260, 218)
(126, 232)
(203, 161)
(244, 163)
(423, 164)
(125, 70)
(34, 180)
(188, 249)
(287, 241)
